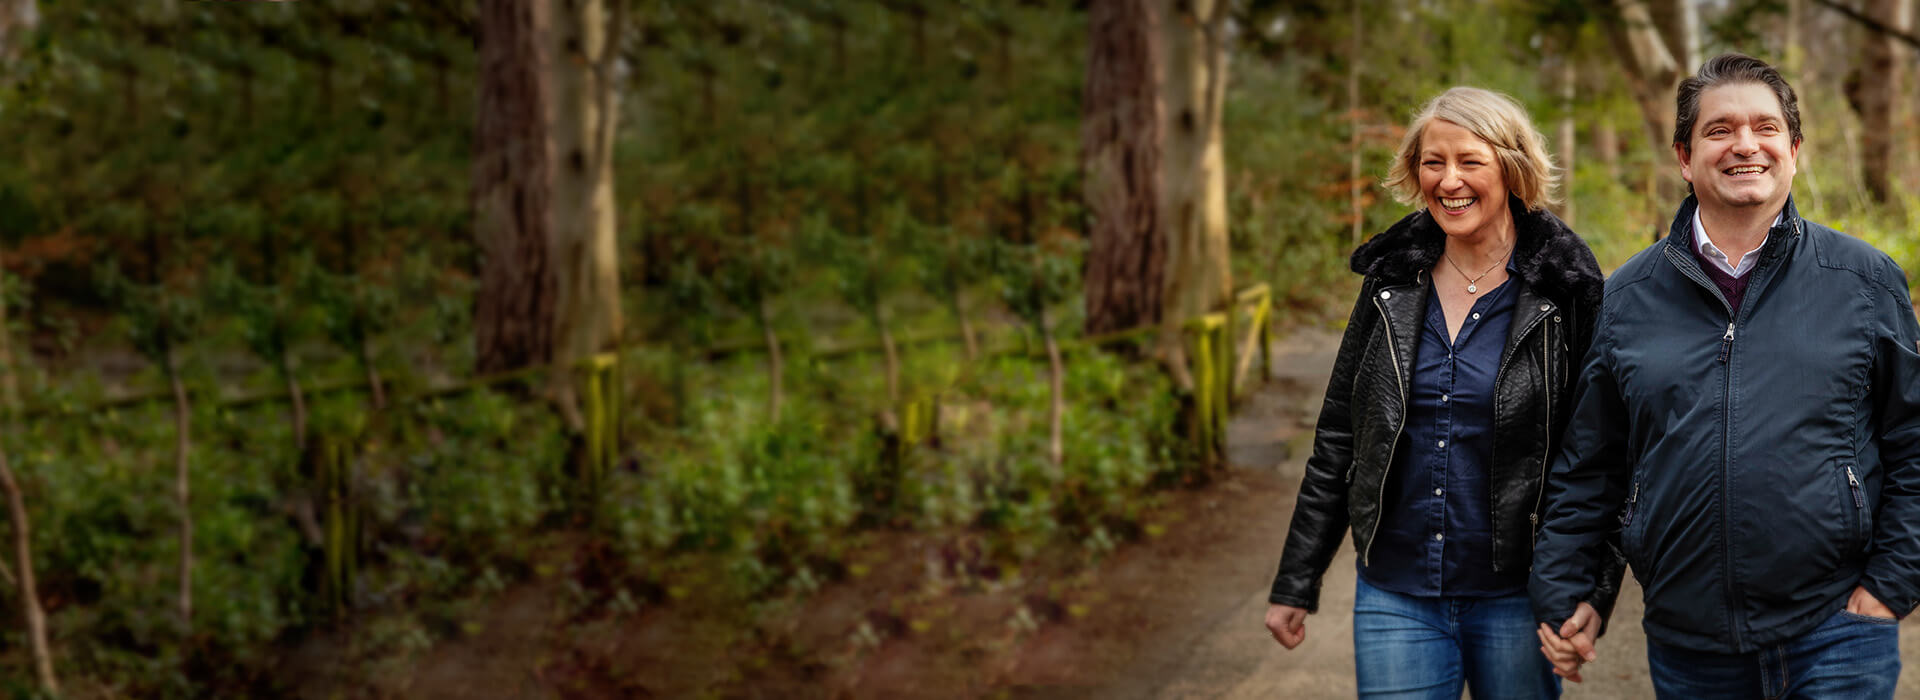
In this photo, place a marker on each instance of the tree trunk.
(1193, 172)
(297, 400)
(1679, 25)
(182, 487)
(9, 377)
(1353, 131)
(893, 369)
(514, 310)
(1056, 387)
(1882, 68)
(376, 389)
(1120, 155)
(1606, 144)
(1568, 78)
(774, 363)
(36, 618)
(1653, 73)
(587, 317)
(17, 18)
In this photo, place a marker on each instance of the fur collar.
(1549, 257)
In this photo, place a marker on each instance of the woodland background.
(328, 321)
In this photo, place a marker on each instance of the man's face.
(1741, 154)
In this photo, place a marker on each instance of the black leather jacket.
(1559, 286)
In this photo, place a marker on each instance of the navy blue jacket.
(1756, 467)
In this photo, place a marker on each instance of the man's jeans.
(1407, 647)
(1848, 656)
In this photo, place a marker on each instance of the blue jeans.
(1847, 656)
(1407, 647)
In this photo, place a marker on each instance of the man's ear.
(1685, 155)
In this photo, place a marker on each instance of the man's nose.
(1744, 142)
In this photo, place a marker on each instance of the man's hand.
(1572, 645)
(1864, 604)
(1287, 624)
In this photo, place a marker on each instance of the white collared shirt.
(1718, 257)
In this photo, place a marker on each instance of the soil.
(1176, 612)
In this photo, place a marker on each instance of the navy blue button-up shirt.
(1436, 529)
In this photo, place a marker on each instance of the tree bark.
(1679, 25)
(182, 487)
(30, 609)
(1882, 71)
(297, 400)
(514, 314)
(376, 389)
(1606, 144)
(587, 316)
(1193, 172)
(1120, 156)
(17, 18)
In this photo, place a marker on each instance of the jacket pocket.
(1860, 534)
(1630, 534)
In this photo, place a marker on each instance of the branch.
(1870, 23)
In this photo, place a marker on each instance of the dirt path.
(1176, 613)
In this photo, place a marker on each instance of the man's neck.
(1738, 231)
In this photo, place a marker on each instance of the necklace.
(1473, 282)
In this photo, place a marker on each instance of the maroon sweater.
(1733, 288)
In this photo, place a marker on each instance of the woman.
(1443, 413)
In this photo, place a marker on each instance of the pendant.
(1472, 289)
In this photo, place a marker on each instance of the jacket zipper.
(1501, 373)
(1392, 354)
(1546, 446)
(1859, 508)
(1726, 431)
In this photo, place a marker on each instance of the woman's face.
(1460, 179)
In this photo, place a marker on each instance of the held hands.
(1287, 624)
(1572, 645)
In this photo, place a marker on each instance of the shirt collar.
(1719, 257)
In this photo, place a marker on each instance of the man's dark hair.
(1730, 69)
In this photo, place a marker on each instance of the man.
(1748, 421)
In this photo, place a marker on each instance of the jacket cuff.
(1310, 605)
(1900, 599)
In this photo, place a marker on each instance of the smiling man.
(1748, 422)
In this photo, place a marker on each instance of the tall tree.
(1193, 197)
(1120, 156)
(585, 108)
(30, 609)
(514, 310)
(1874, 92)
(1653, 68)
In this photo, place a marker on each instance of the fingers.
(1288, 625)
(1583, 645)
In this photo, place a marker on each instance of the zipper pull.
(1726, 343)
(1850, 480)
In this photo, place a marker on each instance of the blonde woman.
(1445, 405)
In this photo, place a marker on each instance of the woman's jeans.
(1414, 647)
(1847, 656)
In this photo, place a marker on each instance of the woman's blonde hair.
(1496, 119)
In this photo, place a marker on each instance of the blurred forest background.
(326, 322)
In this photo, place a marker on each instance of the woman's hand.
(1572, 645)
(1287, 624)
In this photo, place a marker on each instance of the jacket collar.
(1780, 239)
(1547, 255)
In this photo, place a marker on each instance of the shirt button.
(1443, 443)
(1437, 537)
(1444, 398)
(1437, 492)
(1476, 316)
(1386, 295)
(1544, 307)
